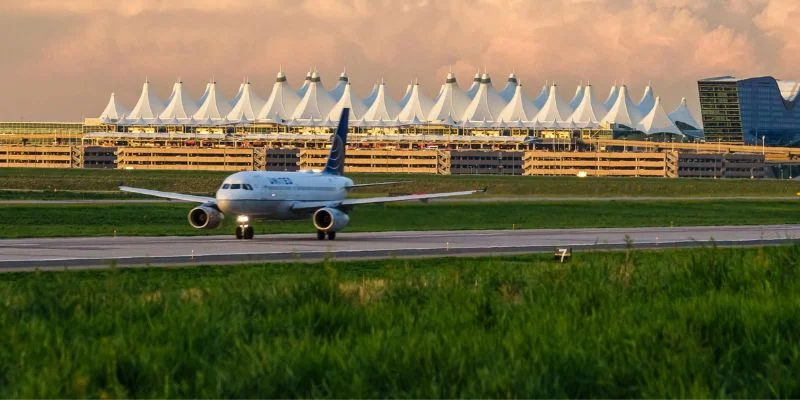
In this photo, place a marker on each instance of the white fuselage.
(270, 195)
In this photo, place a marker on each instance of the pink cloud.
(107, 46)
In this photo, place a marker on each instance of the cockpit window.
(247, 187)
(226, 186)
(236, 186)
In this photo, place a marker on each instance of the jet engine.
(205, 217)
(330, 220)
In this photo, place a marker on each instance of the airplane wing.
(360, 185)
(377, 200)
(169, 195)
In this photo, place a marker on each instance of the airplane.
(282, 196)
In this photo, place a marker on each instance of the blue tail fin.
(335, 164)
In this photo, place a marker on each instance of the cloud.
(779, 21)
(91, 47)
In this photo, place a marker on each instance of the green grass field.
(700, 323)
(171, 218)
(205, 182)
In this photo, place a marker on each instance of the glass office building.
(750, 110)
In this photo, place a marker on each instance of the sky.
(61, 59)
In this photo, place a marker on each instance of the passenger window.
(236, 186)
(226, 186)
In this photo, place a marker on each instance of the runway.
(73, 253)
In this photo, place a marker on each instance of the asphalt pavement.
(93, 252)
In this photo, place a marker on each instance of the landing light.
(242, 219)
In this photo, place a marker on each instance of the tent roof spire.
(657, 121)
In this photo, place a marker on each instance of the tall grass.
(705, 323)
(170, 219)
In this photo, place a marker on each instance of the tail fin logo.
(335, 163)
(336, 160)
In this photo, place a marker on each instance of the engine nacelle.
(330, 220)
(205, 217)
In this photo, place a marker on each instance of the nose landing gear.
(244, 231)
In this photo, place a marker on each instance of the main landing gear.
(244, 231)
(321, 235)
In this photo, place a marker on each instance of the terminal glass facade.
(752, 111)
(719, 106)
(766, 115)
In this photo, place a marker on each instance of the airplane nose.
(225, 206)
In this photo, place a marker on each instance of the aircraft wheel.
(320, 235)
(249, 233)
(239, 232)
(331, 235)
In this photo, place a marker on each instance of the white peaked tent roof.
(554, 110)
(647, 101)
(302, 90)
(590, 111)
(114, 110)
(511, 85)
(450, 104)
(205, 122)
(180, 105)
(214, 106)
(657, 121)
(624, 111)
(316, 104)
(612, 97)
(576, 100)
(417, 107)
(476, 84)
(348, 100)
(486, 105)
(441, 89)
(383, 108)
(136, 121)
(406, 95)
(148, 106)
(338, 90)
(248, 105)
(682, 114)
(238, 94)
(171, 94)
(542, 97)
(204, 95)
(174, 121)
(372, 95)
(519, 108)
(281, 103)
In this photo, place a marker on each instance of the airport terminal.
(750, 129)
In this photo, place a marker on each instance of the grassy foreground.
(206, 182)
(170, 218)
(703, 323)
